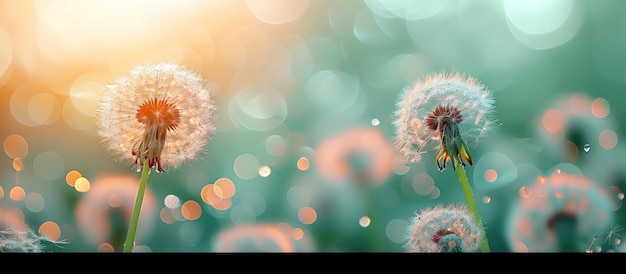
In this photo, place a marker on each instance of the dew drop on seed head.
(586, 147)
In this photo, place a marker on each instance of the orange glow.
(17, 193)
(307, 215)
(297, 233)
(607, 139)
(491, 175)
(600, 108)
(51, 230)
(1, 192)
(71, 177)
(303, 163)
(224, 188)
(208, 195)
(18, 165)
(223, 204)
(105, 247)
(15, 146)
(191, 210)
(553, 121)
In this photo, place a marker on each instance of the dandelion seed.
(612, 236)
(450, 111)
(161, 114)
(589, 250)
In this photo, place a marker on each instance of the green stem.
(467, 190)
(134, 218)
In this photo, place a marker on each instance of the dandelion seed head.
(438, 100)
(24, 241)
(450, 228)
(161, 113)
(557, 199)
(262, 237)
(358, 151)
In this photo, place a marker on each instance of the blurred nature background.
(287, 76)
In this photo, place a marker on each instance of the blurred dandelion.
(359, 150)
(560, 213)
(575, 123)
(365, 157)
(269, 237)
(448, 228)
(111, 199)
(160, 116)
(450, 112)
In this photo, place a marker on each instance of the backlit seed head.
(450, 228)
(446, 111)
(160, 113)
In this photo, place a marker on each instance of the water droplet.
(375, 122)
(586, 147)
(486, 199)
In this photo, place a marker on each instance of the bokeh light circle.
(493, 170)
(278, 11)
(15, 146)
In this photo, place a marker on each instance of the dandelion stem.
(467, 190)
(134, 218)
